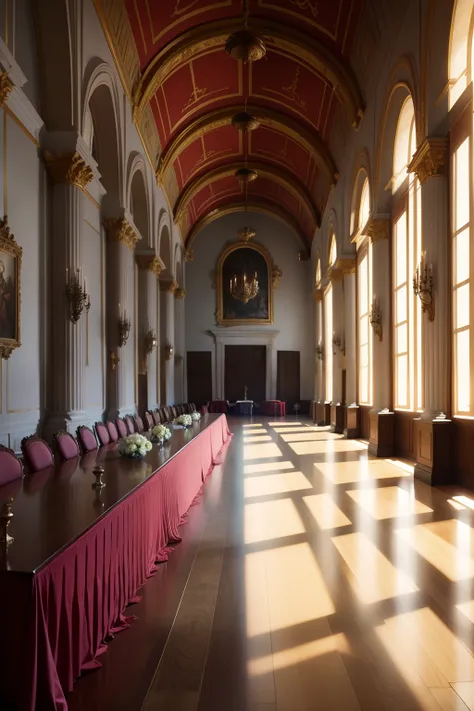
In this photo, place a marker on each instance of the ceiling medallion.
(246, 175)
(245, 46)
(243, 121)
(246, 234)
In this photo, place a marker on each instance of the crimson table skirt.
(59, 618)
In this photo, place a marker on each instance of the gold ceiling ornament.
(276, 275)
(245, 122)
(431, 159)
(246, 175)
(6, 85)
(150, 262)
(180, 293)
(245, 46)
(377, 228)
(120, 230)
(245, 234)
(68, 168)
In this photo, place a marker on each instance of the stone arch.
(165, 250)
(138, 202)
(361, 178)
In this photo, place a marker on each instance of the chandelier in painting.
(243, 287)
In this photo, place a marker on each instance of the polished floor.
(310, 577)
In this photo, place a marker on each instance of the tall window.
(328, 328)
(407, 315)
(365, 345)
(332, 249)
(318, 274)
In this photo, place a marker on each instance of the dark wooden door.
(245, 366)
(199, 368)
(288, 378)
(142, 392)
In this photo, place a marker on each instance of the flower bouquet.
(160, 434)
(195, 416)
(134, 446)
(184, 420)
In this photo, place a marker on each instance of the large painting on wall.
(10, 303)
(244, 285)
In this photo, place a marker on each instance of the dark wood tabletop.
(53, 507)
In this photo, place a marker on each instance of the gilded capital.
(68, 168)
(318, 295)
(377, 228)
(347, 265)
(150, 262)
(180, 293)
(430, 159)
(334, 274)
(6, 85)
(169, 286)
(120, 230)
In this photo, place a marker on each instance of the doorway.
(245, 366)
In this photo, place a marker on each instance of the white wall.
(292, 304)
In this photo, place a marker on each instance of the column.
(168, 288)
(336, 349)
(351, 416)
(70, 174)
(382, 420)
(122, 239)
(433, 435)
(150, 267)
(179, 295)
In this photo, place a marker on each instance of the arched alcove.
(138, 199)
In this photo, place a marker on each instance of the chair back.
(122, 427)
(113, 431)
(86, 439)
(156, 417)
(103, 434)
(149, 421)
(66, 446)
(139, 426)
(10, 466)
(36, 453)
(174, 412)
(192, 407)
(130, 422)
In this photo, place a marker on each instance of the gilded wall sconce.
(337, 343)
(375, 319)
(124, 326)
(76, 294)
(114, 360)
(151, 341)
(320, 351)
(423, 287)
(168, 351)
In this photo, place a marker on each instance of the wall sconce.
(168, 351)
(337, 343)
(423, 287)
(114, 360)
(178, 359)
(151, 340)
(375, 319)
(76, 294)
(124, 326)
(320, 351)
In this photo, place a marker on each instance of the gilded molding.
(169, 286)
(268, 118)
(120, 230)
(346, 264)
(150, 262)
(318, 295)
(377, 228)
(69, 168)
(276, 276)
(180, 293)
(6, 85)
(431, 159)
(334, 274)
(277, 175)
(189, 255)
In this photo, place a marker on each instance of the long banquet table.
(80, 555)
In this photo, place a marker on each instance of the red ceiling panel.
(270, 145)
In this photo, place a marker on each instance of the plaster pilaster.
(167, 300)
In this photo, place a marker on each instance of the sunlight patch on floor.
(465, 501)
(325, 512)
(404, 466)
(261, 451)
(298, 655)
(309, 436)
(267, 467)
(327, 447)
(268, 520)
(257, 438)
(253, 424)
(275, 484)
(286, 430)
(363, 471)
(285, 424)
(388, 502)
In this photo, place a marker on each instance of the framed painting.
(10, 291)
(250, 266)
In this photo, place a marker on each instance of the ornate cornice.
(269, 118)
(334, 274)
(69, 168)
(431, 159)
(377, 228)
(278, 35)
(277, 175)
(150, 262)
(6, 85)
(169, 285)
(120, 230)
(347, 265)
(180, 293)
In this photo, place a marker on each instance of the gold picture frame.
(10, 291)
(223, 318)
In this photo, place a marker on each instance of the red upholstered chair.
(204, 410)
(130, 422)
(86, 439)
(165, 414)
(192, 407)
(36, 453)
(274, 408)
(174, 412)
(149, 421)
(218, 406)
(10, 466)
(103, 434)
(113, 431)
(122, 427)
(156, 417)
(139, 426)
(66, 446)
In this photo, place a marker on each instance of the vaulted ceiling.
(184, 83)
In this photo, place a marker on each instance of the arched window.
(460, 64)
(318, 274)
(364, 298)
(332, 249)
(364, 209)
(328, 331)
(406, 230)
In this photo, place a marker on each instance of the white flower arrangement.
(134, 446)
(184, 420)
(195, 416)
(160, 433)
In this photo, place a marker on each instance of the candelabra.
(6, 516)
(151, 340)
(76, 294)
(319, 351)
(423, 287)
(375, 319)
(124, 326)
(337, 343)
